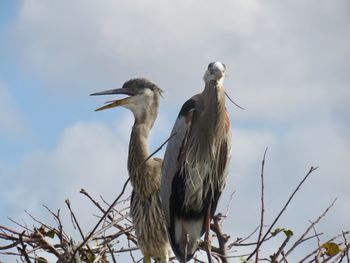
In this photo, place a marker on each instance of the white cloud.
(289, 158)
(247, 150)
(287, 64)
(115, 40)
(11, 121)
(280, 66)
(88, 155)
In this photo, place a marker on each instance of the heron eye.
(210, 65)
(140, 89)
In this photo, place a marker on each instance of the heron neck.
(214, 105)
(138, 146)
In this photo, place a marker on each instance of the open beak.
(113, 103)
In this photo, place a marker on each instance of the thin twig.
(47, 246)
(74, 219)
(36, 220)
(343, 251)
(318, 245)
(239, 241)
(228, 206)
(280, 250)
(9, 246)
(23, 249)
(157, 150)
(101, 219)
(282, 211)
(130, 253)
(84, 192)
(310, 237)
(347, 247)
(20, 225)
(234, 103)
(316, 250)
(310, 227)
(112, 254)
(262, 205)
(60, 233)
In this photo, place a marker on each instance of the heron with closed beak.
(195, 164)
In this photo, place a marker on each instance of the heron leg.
(164, 260)
(146, 258)
(185, 238)
(207, 238)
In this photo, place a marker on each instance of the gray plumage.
(195, 165)
(146, 211)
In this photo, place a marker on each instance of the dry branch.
(113, 234)
(262, 206)
(280, 213)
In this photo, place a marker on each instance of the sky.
(288, 64)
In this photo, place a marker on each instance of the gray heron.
(195, 164)
(145, 176)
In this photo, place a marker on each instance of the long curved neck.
(209, 120)
(213, 99)
(144, 176)
(138, 146)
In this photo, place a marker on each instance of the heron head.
(216, 71)
(141, 94)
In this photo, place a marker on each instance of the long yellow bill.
(112, 104)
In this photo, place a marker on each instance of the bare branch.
(346, 249)
(228, 206)
(222, 237)
(46, 245)
(113, 235)
(239, 241)
(102, 218)
(280, 250)
(282, 211)
(157, 150)
(23, 249)
(316, 250)
(262, 206)
(74, 219)
(234, 103)
(300, 240)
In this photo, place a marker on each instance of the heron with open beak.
(143, 97)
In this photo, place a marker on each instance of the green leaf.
(288, 232)
(331, 248)
(50, 234)
(276, 231)
(91, 257)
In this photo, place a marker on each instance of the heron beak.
(217, 73)
(113, 103)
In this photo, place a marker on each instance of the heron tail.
(184, 235)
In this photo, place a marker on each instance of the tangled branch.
(113, 235)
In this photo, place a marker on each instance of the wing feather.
(173, 153)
